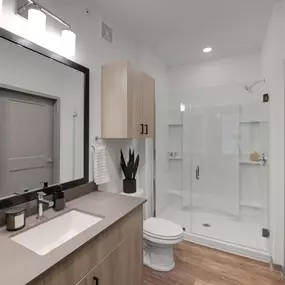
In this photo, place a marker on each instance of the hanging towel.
(101, 173)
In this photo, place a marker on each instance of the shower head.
(250, 87)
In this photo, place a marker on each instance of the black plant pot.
(130, 186)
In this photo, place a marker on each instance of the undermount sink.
(53, 233)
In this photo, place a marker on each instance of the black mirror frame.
(29, 196)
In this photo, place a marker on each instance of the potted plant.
(130, 172)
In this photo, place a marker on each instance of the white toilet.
(160, 237)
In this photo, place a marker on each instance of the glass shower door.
(214, 158)
(228, 187)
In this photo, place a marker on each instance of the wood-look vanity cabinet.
(113, 257)
(114, 269)
(127, 102)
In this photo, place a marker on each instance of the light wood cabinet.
(114, 257)
(127, 102)
(116, 268)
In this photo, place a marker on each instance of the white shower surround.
(229, 94)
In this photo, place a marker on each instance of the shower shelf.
(175, 158)
(252, 122)
(251, 162)
(175, 125)
(251, 205)
(175, 193)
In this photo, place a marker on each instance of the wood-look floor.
(198, 265)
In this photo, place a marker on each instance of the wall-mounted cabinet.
(127, 102)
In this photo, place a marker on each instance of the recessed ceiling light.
(208, 49)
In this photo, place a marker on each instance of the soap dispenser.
(58, 199)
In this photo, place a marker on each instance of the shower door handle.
(197, 172)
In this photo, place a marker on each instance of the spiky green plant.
(130, 170)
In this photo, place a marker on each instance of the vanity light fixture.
(37, 20)
(24, 5)
(207, 49)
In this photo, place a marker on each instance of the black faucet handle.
(60, 187)
(45, 184)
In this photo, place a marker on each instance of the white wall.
(273, 55)
(93, 52)
(225, 71)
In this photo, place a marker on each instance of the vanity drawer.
(122, 266)
(77, 265)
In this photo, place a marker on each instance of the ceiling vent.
(107, 33)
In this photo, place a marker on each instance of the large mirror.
(42, 121)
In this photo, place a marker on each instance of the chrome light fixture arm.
(23, 5)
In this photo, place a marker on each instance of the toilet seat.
(146, 234)
(163, 241)
(162, 231)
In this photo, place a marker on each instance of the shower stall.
(216, 169)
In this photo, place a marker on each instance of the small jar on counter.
(15, 219)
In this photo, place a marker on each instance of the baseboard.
(277, 267)
(228, 247)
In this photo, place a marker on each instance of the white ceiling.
(178, 30)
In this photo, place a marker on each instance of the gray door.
(29, 143)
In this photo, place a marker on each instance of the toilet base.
(159, 257)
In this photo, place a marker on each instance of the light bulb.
(69, 42)
(207, 49)
(37, 24)
(1, 8)
(182, 107)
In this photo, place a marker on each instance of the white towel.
(101, 173)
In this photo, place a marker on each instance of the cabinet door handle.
(142, 129)
(96, 280)
(146, 129)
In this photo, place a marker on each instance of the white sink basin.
(50, 235)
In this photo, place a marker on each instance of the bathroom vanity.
(109, 252)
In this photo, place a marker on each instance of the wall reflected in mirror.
(42, 117)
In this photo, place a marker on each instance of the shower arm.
(249, 87)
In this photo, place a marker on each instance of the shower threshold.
(229, 247)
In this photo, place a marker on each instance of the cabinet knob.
(96, 280)
(146, 129)
(142, 129)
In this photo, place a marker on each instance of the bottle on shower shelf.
(255, 156)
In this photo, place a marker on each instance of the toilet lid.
(162, 228)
